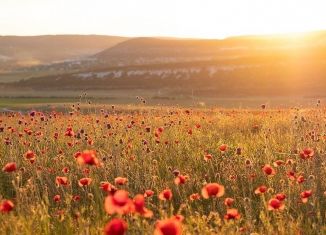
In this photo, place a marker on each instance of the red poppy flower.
(69, 132)
(139, 206)
(280, 196)
(300, 179)
(170, 226)
(148, 193)
(6, 206)
(107, 187)
(223, 147)
(120, 180)
(194, 196)
(208, 157)
(228, 201)
(180, 179)
(261, 189)
(275, 204)
(84, 182)
(307, 153)
(278, 163)
(87, 157)
(291, 175)
(57, 198)
(165, 195)
(61, 181)
(305, 195)
(10, 167)
(116, 227)
(119, 203)
(76, 198)
(268, 170)
(212, 190)
(30, 155)
(232, 214)
(65, 170)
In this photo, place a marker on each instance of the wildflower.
(148, 193)
(268, 170)
(212, 190)
(307, 153)
(223, 147)
(170, 226)
(275, 204)
(120, 180)
(228, 201)
(84, 182)
(10, 167)
(280, 196)
(107, 187)
(261, 189)
(116, 227)
(87, 157)
(119, 203)
(194, 196)
(61, 181)
(30, 155)
(180, 179)
(139, 206)
(57, 198)
(6, 206)
(305, 195)
(232, 214)
(165, 195)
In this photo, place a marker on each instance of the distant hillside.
(153, 50)
(18, 51)
(240, 66)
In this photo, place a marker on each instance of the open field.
(211, 171)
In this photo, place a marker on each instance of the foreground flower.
(6, 206)
(307, 153)
(180, 179)
(223, 147)
(10, 167)
(268, 170)
(261, 189)
(84, 182)
(170, 226)
(280, 196)
(305, 195)
(61, 181)
(148, 193)
(166, 194)
(57, 198)
(87, 157)
(116, 227)
(194, 196)
(275, 204)
(232, 214)
(228, 201)
(119, 203)
(30, 155)
(139, 206)
(107, 187)
(120, 180)
(212, 190)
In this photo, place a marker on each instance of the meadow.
(118, 169)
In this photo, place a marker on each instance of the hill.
(280, 65)
(22, 51)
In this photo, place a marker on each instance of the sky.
(175, 18)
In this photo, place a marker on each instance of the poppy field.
(164, 170)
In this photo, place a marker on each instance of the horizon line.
(169, 36)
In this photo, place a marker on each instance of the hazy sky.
(181, 18)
